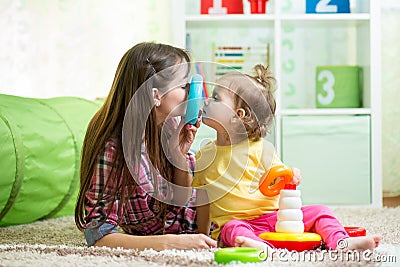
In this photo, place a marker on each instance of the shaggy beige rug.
(57, 242)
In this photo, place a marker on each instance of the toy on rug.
(355, 231)
(289, 226)
(238, 254)
(41, 141)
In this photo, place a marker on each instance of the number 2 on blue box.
(327, 6)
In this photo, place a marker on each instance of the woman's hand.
(179, 143)
(182, 137)
(157, 242)
(189, 241)
(186, 135)
(296, 176)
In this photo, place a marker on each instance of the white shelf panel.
(230, 18)
(246, 20)
(327, 111)
(283, 17)
(326, 17)
(233, 20)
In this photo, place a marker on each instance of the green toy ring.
(240, 254)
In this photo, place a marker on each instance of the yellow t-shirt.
(230, 175)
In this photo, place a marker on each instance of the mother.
(146, 193)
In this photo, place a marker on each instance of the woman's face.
(173, 100)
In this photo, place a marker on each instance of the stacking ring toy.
(293, 241)
(241, 254)
(268, 178)
(355, 231)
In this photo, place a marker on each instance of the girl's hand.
(189, 241)
(296, 176)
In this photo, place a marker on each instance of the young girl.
(229, 169)
(134, 192)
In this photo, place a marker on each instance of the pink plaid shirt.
(141, 207)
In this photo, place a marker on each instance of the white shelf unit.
(317, 39)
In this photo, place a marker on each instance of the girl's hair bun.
(264, 76)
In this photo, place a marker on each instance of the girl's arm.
(183, 192)
(203, 212)
(157, 242)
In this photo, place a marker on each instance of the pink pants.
(317, 219)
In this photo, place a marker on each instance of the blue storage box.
(332, 6)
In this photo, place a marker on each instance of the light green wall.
(390, 22)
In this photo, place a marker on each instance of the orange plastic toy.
(267, 179)
(355, 231)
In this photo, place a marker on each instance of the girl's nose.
(206, 102)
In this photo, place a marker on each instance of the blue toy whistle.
(194, 98)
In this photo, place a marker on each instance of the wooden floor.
(391, 201)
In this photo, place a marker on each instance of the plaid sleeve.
(101, 183)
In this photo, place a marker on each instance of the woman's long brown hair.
(136, 66)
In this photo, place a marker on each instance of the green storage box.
(338, 87)
(333, 154)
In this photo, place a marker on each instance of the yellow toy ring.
(268, 178)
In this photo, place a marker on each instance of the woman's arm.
(157, 242)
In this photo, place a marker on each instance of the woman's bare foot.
(359, 242)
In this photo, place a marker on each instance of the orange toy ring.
(266, 180)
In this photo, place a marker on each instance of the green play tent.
(40, 148)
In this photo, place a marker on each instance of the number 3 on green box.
(329, 81)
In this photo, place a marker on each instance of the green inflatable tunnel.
(40, 149)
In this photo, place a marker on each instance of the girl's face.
(173, 101)
(219, 110)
